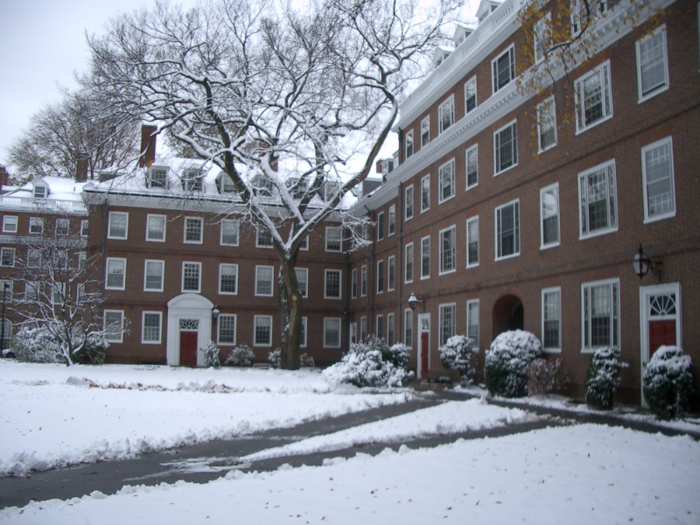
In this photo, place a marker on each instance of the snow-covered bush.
(603, 377)
(210, 352)
(93, 352)
(507, 360)
(457, 354)
(241, 355)
(275, 358)
(668, 382)
(546, 375)
(306, 360)
(398, 355)
(36, 345)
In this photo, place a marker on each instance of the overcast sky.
(42, 44)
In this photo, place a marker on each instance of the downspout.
(369, 276)
(346, 306)
(399, 269)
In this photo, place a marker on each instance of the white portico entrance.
(189, 329)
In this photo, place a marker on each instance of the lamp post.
(642, 264)
(5, 286)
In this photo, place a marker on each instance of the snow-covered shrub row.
(668, 382)
(457, 354)
(210, 352)
(507, 361)
(39, 345)
(370, 363)
(603, 377)
(545, 376)
(240, 355)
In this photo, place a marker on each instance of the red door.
(188, 348)
(661, 333)
(424, 354)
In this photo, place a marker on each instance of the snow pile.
(507, 361)
(668, 382)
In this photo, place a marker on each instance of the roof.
(63, 196)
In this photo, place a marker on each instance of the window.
(332, 284)
(551, 319)
(473, 321)
(505, 148)
(62, 227)
(408, 328)
(331, 332)
(353, 333)
(33, 258)
(114, 325)
(303, 280)
(425, 194)
(408, 203)
(36, 225)
(391, 273)
(7, 257)
(333, 239)
(503, 68)
(263, 281)
(157, 177)
(546, 125)
(193, 230)
(448, 320)
(472, 163)
(597, 200)
(263, 239)
(363, 280)
(9, 224)
(600, 303)
(40, 192)
(380, 326)
(225, 184)
(408, 263)
(542, 37)
(508, 230)
(304, 244)
(6, 287)
(229, 232)
(226, 329)
(657, 174)
(473, 242)
(84, 228)
(155, 228)
(60, 259)
(118, 225)
(304, 331)
(447, 181)
(353, 283)
(363, 328)
(425, 131)
(263, 330)
(228, 279)
(192, 180)
(652, 64)
(150, 333)
(448, 250)
(80, 295)
(549, 216)
(153, 276)
(31, 291)
(392, 219)
(409, 143)
(593, 97)
(380, 276)
(425, 258)
(116, 273)
(82, 261)
(579, 13)
(380, 226)
(446, 114)
(191, 273)
(470, 95)
(390, 329)
(58, 293)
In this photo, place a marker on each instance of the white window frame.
(469, 240)
(255, 330)
(408, 328)
(10, 256)
(32, 289)
(391, 221)
(325, 284)
(586, 309)
(408, 261)
(510, 51)
(380, 276)
(380, 226)
(143, 328)
(155, 262)
(611, 200)
(363, 328)
(193, 220)
(222, 266)
(110, 233)
(410, 145)
(379, 322)
(551, 189)
(469, 85)
(36, 225)
(408, 203)
(258, 239)
(305, 272)
(82, 261)
(470, 303)
(199, 276)
(446, 181)
(325, 332)
(441, 325)
(423, 275)
(235, 224)
(258, 269)
(34, 258)
(545, 293)
(10, 290)
(219, 324)
(353, 284)
(84, 228)
(603, 72)
(331, 231)
(516, 230)
(391, 273)
(58, 293)
(107, 334)
(150, 217)
(542, 36)
(659, 32)
(390, 329)
(424, 190)
(115, 261)
(62, 227)
(10, 224)
(444, 269)
(304, 335)
(546, 113)
(667, 141)
(425, 126)
(446, 111)
(363, 280)
(497, 146)
(473, 152)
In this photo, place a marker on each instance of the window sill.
(597, 233)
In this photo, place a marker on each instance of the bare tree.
(292, 105)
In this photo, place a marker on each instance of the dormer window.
(192, 180)
(41, 192)
(299, 189)
(441, 54)
(262, 187)
(157, 177)
(330, 189)
(225, 184)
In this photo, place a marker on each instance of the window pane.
(263, 281)
(229, 278)
(227, 328)
(151, 327)
(333, 283)
(473, 242)
(190, 278)
(263, 330)
(425, 257)
(659, 180)
(193, 229)
(229, 232)
(156, 228)
(652, 62)
(154, 275)
(331, 333)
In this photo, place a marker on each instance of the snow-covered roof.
(46, 195)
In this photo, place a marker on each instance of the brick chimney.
(3, 177)
(378, 166)
(81, 173)
(148, 146)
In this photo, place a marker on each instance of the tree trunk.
(290, 309)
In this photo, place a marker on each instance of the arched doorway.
(189, 328)
(508, 314)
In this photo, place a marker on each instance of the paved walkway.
(213, 459)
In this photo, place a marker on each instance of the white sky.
(42, 44)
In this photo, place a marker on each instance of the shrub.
(603, 377)
(210, 353)
(306, 360)
(241, 355)
(36, 345)
(93, 351)
(668, 382)
(275, 358)
(546, 375)
(457, 354)
(507, 360)
(398, 355)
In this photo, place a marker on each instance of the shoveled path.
(207, 461)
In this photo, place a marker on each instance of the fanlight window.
(660, 305)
